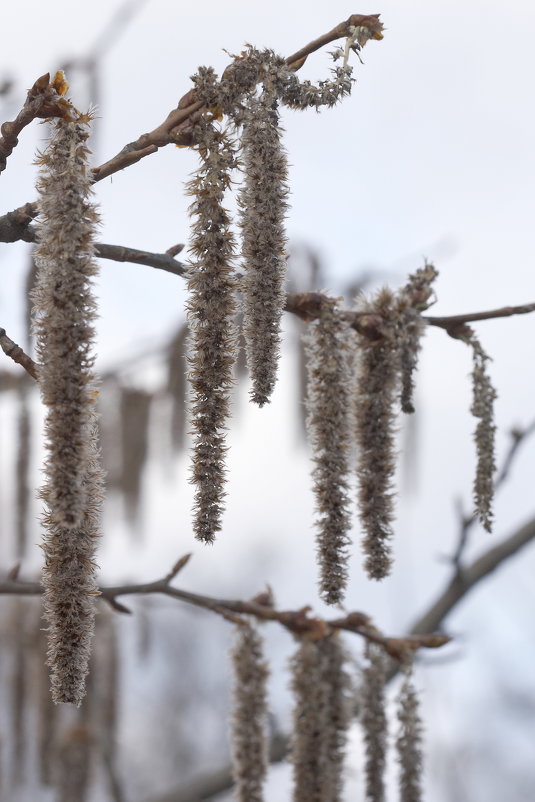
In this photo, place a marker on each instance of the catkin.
(328, 402)
(320, 719)
(376, 396)
(374, 723)
(64, 312)
(411, 301)
(263, 208)
(249, 715)
(409, 740)
(482, 408)
(69, 581)
(211, 309)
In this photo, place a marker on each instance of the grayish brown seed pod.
(374, 722)
(69, 581)
(263, 208)
(64, 312)
(375, 402)
(249, 715)
(321, 717)
(328, 351)
(211, 309)
(409, 740)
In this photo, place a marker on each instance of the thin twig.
(15, 352)
(42, 101)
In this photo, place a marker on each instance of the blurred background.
(432, 156)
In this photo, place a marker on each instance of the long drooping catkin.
(328, 404)
(409, 740)
(373, 719)
(64, 311)
(249, 716)
(69, 580)
(320, 719)
(376, 397)
(211, 310)
(263, 208)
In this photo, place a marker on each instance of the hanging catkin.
(211, 310)
(249, 716)
(320, 719)
(328, 402)
(376, 398)
(373, 720)
(409, 740)
(411, 301)
(263, 208)
(482, 408)
(64, 311)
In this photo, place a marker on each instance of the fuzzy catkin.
(409, 741)
(328, 402)
(411, 301)
(320, 719)
(263, 208)
(249, 715)
(70, 587)
(482, 408)
(64, 314)
(374, 722)
(375, 402)
(211, 309)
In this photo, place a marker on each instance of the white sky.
(431, 156)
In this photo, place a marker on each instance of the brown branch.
(460, 586)
(43, 100)
(206, 787)
(161, 261)
(340, 31)
(454, 323)
(15, 352)
(177, 126)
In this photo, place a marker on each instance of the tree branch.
(204, 788)
(16, 353)
(43, 100)
(176, 128)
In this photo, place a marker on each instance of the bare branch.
(460, 586)
(16, 353)
(43, 100)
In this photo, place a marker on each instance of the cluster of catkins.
(213, 282)
(356, 384)
(358, 374)
(325, 698)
